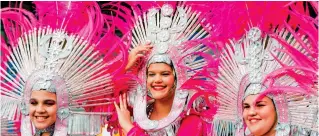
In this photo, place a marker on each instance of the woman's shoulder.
(191, 125)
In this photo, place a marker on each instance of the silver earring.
(247, 132)
(174, 87)
(149, 93)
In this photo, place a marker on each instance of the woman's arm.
(124, 118)
(123, 114)
(136, 54)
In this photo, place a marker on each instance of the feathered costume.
(58, 50)
(178, 34)
(183, 36)
(281, 65)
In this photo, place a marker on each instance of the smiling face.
(260, 119)
(43, 108)
(160, 81)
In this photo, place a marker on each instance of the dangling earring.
(174, 86)
(247, 132)
(149, 93)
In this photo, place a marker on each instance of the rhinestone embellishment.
(63, 113)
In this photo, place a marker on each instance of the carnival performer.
(267, 83)
(170, 59)
(52, 72)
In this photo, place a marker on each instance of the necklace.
(50, 129)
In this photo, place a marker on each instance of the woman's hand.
(124, 114)
(136, 53)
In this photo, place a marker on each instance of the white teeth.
(158, 87)
(40, 117)
(253, 120)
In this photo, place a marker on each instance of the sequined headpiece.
(160, 58)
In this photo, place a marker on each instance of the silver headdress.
(256, 65)
(54, 61)
(50, 49)
(169, 30)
